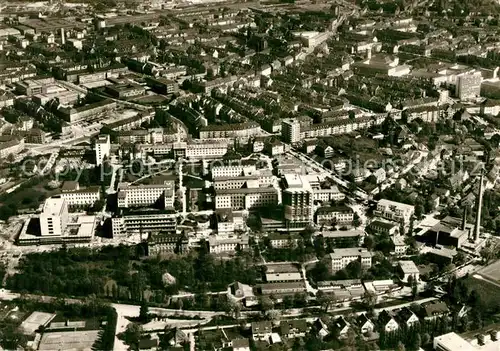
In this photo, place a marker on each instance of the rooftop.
(353, 251)
(409, 267)
(53, 206)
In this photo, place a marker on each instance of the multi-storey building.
(146, 194)
(79, 197)
(245, 198)
(54, 217)
(167, 243)
(225, 245)
(135, 136)
(469, 86)
(282, 241)
(219, 171)
(297, 201)
(339, 214)
(235, 182)
(102, 148)
(340, 258)
(236, 130)
(143, 223)
(394, 211)
(290, 130)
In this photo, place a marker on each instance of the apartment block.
(297, 201)
(290, 130)
(102, 148)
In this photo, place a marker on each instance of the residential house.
(320, 328)
(293, 328)
(406, 317)
(261, 330)
(400, 246)
(364, 324)
(435, 310)
(342, 327)
(387, 322)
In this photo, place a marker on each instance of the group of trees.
(83, 272)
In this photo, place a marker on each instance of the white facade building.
(145, 194)
(394, 211)
(54, 217)
(340, 258)
(102, 148)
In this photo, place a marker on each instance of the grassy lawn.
(488, 292)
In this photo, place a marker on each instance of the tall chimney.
(63, 38)
(477, 227)
(464, 219)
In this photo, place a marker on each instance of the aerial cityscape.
(250, 175)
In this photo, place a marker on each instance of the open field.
(491, 272)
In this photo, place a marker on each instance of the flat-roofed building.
(102, 148)
(394, 211)
(143, 222)
(297, 201)
(54, 217)
(452, 342)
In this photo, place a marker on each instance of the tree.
(266, 304)
(401, 347)
(369, 299)
(132, 335)
(144, 312)
(356, 222)
(325, 300)
(369, 242)
(412, 281)
(417, 342)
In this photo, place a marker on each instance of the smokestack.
(63, 38)
(477, 227)
(464, 219)
(369, 53)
